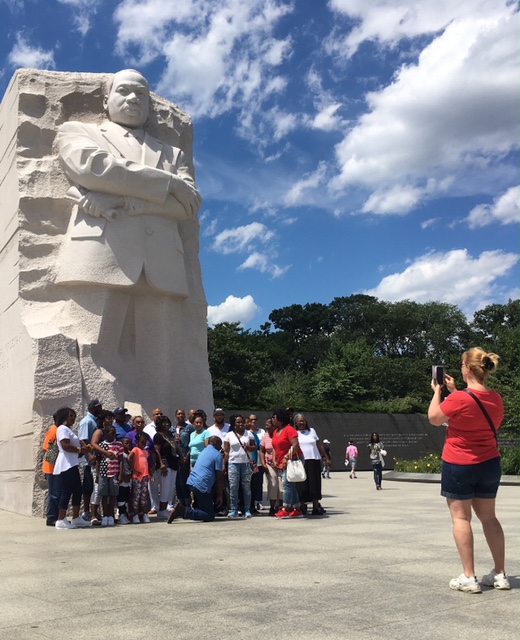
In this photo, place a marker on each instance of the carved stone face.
(128, 102)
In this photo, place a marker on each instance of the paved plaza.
(376, 566)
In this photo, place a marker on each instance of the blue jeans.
(378, 473)
(205, 510)
(290, 491)
(53, 496)
(239, 474)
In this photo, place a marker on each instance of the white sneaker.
(146, 518)
(496, 580)
(123, 519)
(63, 524)
(111, 521)
(104, 521)
(468, 585)
(259, 506)
(135, 520)
(80, 522)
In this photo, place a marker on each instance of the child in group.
(109, 473)
(138, 460)
(123, 497)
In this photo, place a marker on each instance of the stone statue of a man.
(132, 190)
(123, 259)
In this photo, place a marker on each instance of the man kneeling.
(205, 474)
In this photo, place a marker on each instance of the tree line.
(359, 354)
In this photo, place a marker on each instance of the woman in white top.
(67, 467)
(237, 445)
(313, 452)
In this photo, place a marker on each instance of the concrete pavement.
(376, 566)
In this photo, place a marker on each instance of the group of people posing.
(186, 469)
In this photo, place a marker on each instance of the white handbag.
(295, 470)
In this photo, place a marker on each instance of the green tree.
(287, 388)
(304, 333)
(334, 385)
(239, 366)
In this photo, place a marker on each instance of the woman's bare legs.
(460, 511)
(485, 511)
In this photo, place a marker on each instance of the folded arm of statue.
(96, 204)
(172, 208)
(184, 190)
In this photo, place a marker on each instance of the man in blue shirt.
(120, 423)
(205, 476)
(86, 428)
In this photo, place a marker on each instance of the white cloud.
(83, 12)
(453, 113)
(246, 239)
(398, 199)
(263, 262)
(233, 309)
(327, 119)
(24, 55)
(454, 277)
(241, 238)
(297, 193)
(389, 21)
(504, 210)
(430, 223)
(209, 228)
(220, 54)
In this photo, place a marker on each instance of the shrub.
(429, 464)
(509, 460)
(432, 463)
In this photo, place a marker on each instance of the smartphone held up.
(438, 374)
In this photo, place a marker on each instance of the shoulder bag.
(51, 455)
(295, 470)
(252, 463)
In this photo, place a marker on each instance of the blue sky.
(341, 146)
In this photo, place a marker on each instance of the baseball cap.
(218, 410)
(118, 410)
(93, 404)
(326, 441)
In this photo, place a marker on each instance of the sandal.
(95, 522)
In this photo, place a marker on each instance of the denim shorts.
(467, 481)
(108, 487)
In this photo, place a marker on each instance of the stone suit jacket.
(144, 238)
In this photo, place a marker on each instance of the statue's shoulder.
(74, 126)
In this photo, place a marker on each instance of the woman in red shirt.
(471, 464)
(285, 447)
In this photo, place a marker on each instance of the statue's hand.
(187, 195)
(99, 205)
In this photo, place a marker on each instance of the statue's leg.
(98, 318)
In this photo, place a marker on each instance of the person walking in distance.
(351, 455)
(326, 460)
